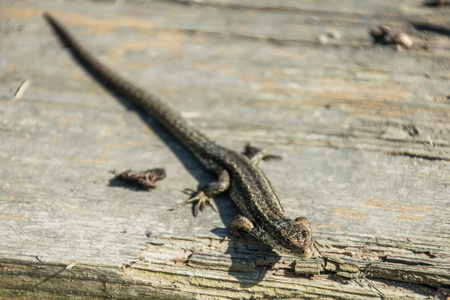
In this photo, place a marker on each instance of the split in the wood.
(430, 27)
(437, 3)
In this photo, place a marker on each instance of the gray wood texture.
(363, 129)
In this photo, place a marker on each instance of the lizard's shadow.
(227, 209)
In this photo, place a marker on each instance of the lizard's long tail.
(190, 136)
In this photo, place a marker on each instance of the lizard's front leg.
(207, 193)
(240, 223)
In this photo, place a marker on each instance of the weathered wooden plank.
(21, 279)
(364, 133)
(209, 269)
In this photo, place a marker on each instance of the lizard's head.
(297, 238)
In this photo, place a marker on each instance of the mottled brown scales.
(263, 216)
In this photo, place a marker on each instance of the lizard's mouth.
(304, 254)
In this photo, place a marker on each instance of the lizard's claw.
(201, 200)
(234, 233)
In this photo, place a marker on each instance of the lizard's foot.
(207, 193)
(256, 154)
(202, 200)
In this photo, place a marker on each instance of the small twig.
(382, 295)
(70, 266)
(21, 89)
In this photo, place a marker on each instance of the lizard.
(263, 216)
